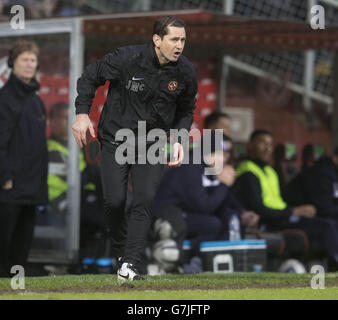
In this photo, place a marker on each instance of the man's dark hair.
(56, 108)
(212, 119)
(161, 25)
(308, 153)
(258, 132)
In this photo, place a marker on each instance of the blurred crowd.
(37, 9)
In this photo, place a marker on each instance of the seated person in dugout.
(320, 185)
(91, 193)
(257, 188)
(218, 120)
(198, 206)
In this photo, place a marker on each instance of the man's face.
(171, 46)
(261, 147)
(25, 65)
(59, 124)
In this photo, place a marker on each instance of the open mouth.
(177, 54)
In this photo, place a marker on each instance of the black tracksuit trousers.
(16, 235)
(128, 235)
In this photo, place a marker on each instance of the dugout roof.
(220, 30)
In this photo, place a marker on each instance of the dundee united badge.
(172, 86)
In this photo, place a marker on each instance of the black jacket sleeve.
(95, 75)
(249, 193)
(233, 203)
(9, 116)
(186, 103)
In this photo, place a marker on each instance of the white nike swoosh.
(136, 79)
(125, 277)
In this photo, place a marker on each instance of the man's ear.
(157, 40)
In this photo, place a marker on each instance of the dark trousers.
(323, 230)
(196, 227)
(16, 235)
(206, 228)
(128, 235)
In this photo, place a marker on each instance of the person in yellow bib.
(91, 190)
(257, 188)
(58, 154)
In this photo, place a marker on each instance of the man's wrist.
(82, 116)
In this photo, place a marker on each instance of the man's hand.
(80, 127)
(307, 211)
(227, 176)
(178, 155)
(250, 219)
(8, 185)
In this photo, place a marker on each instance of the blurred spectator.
(218, 120)
(321, 186)
(257, 187)
(58, 156)
(200, 205)
(295, 192)
(3, 10)
(91, 193)
(48, 8)
(67, 8)
(23, 156)
(42, 8)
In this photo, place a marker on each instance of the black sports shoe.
(128, 272)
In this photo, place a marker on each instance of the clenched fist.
(80, 127)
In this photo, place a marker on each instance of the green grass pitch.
(205, 286)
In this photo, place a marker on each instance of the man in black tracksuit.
(152, 83)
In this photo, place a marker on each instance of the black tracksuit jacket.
(140, 90)
(23, 147)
